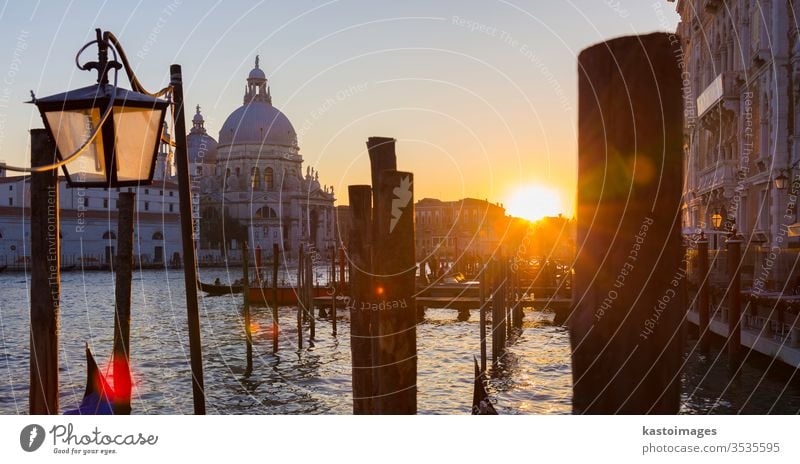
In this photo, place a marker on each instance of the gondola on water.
(219, 289)
(98, 394)
(481, 405)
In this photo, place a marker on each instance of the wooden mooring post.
(358, 247)
(482, 296)
(309, 286)
(45, 278)
(334, 292)
(300, 303)
(187, 242)
(123, 269)
(498, 311)
(395, 285)
(276, 255)
(734, 245)
(703, 299)
(626, 328)
(248, 333)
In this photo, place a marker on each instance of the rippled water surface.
(315, 379)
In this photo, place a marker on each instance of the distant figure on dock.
(217, 282)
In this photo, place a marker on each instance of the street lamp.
(109, 135)
(782, 181)
(716, 220)
(110, 138)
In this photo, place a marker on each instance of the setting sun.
(533, 202)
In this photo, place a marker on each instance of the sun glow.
(533, 202)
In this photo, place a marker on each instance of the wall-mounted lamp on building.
(782, 181)
(716, 220)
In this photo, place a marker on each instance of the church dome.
(257, 73)
(257, 121)
(260, 123)
(202, 147)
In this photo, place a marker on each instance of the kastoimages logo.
(31, 437)
(402, 195)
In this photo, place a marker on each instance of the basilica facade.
(252, 180)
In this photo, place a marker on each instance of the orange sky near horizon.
(480, 95)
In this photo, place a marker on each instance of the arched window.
(158, 235)
(110, 235)
(269, 178)
(266, 212)
(256, 175)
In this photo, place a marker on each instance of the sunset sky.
(481, 95)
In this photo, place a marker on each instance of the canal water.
(316, 379)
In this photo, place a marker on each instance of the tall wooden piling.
(123, 269)
(703, 300)
(734, 245)
(626, 329)
(482, 294)
(394, 290)
(45, 278)
(358, 247)
(300, 304)
(187, 242)
(309, 286)
(498, 311)
(275, 323)
(248, 334)
(334, 293)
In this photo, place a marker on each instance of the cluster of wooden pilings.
(739, 310)
(382, 287)
(499, 293)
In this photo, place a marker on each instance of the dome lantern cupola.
(198, 123)
(257, 89)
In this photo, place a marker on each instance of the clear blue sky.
(476, 112)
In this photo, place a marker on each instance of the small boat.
(96, 397)
(221, 289)
(481, 405)
(68, 267)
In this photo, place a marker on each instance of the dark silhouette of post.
(703, 300)
(301, 307)
(498, 311)
(123, 268)
(189, 258)
(358, 247)
(334, 293)
(482, 294)
(308, 288)
(394, 289)
(248, 334)
(45, 278)
(626, 327)
(275, 323)
(734, 244)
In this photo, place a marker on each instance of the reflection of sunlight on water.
(535, 380)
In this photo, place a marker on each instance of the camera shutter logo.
(31, 437)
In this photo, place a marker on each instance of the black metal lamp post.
(107, 136)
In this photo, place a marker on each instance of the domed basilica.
(253, 180)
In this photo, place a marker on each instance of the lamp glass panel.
(71, 128)
(137, 133)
